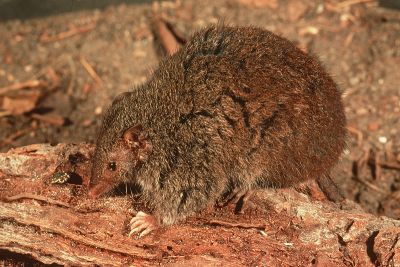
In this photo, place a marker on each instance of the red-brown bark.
(57, 223)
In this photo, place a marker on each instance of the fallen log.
(50, 220)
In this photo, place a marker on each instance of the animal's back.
(255, 108)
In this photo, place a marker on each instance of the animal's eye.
(112, 166)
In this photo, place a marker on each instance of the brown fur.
(236, 107)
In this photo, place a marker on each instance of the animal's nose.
(97, 190)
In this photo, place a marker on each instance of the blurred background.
(62, 62)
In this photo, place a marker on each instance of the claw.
(239, 197)
(145, 232)
(142, 224)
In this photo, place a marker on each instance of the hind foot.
(239, 197)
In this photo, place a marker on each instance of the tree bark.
(57, 223)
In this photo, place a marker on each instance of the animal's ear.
(136, 138)
(132, 136)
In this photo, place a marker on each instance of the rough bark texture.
(56, 223)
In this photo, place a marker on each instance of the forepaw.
(142, 224)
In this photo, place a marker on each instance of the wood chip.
(390, 165)
(28, 84)
(389, 155)
(46, 38)
(348, 3)
(90, 70)
(36, 197)
(372, 186)
(167, 38)
(373, 126)
(361, 162)
(21, 103)
(375, 164)
(349, 39)
(358, 134)
(309, 30)
(5, 113)
(51, 119)
(236, 225)
(273, 4)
